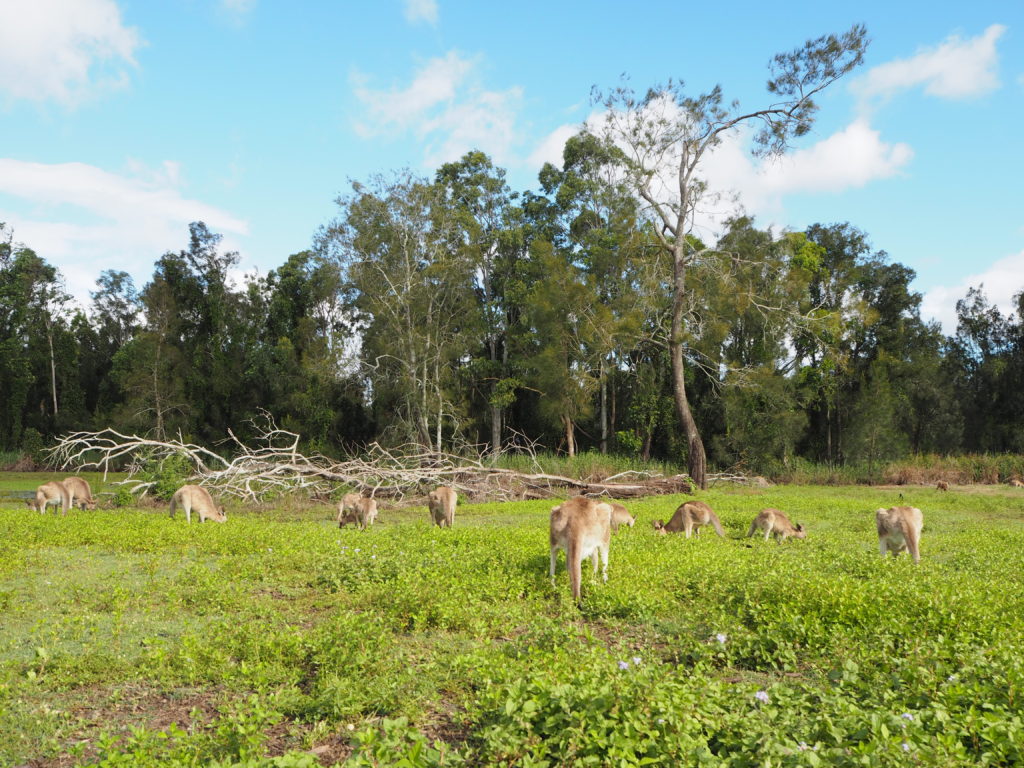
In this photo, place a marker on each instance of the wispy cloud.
(1001, 281)
(64, 50)
(446, 109)
(237, 11)
(84, 219)
(955, 69)
(421, 10)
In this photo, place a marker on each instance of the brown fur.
(689, 518)
(582, 527)
(51, 493)
(775, 523)
(899, 530)
(190, 497)
(620, 516)
(347, 509)
(79, 492)
(366, 512)
(442, 503)
(942, 485)
(1017, 483)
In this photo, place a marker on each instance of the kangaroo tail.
(910, 533)
(718, 525)
(174, 504)
(572, 557)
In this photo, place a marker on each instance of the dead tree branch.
(273, 464)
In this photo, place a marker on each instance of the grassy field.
(130, 639)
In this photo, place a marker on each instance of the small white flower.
(762, 696)
(661, 721)
(907, 716)
(721, 637)
(350, 727)
(623, 665)
(636, 659)
(373, 557)
(803, 746)
(906, 747)
(270, 549)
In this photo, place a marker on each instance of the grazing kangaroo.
(899, 530)
(79, 493)
(942, 485)
(582, 527)
(774, 523)
(51, 493)
(442, 506)
(365, 512)
(1017, 483)
(689, 518)
(620, 516)
(190, 497)
(347, 509)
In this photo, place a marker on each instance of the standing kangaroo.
(190, 497)
(899, 530)
(364, 512)
(689, 518)
(442, 506)
(51, 493)
(774, 523)
(79, 493)
(582, 527)
(347, 509)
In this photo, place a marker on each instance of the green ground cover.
(128, 638)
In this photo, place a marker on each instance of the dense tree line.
(453, 311)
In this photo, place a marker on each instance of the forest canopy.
(453, 311)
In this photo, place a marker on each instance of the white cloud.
(552, 146)
(446, 109)
(421, 10)
(120, 221)
(956, 69)
(1001, 282)
(63, 49)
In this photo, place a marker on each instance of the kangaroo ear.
(799, 527)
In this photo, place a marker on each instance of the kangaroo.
(51, 493)
(79, 493)
(899, 529)
(442, 506)
(365, 511)
(190, 497)
(620, 516)
(773, 522)
(347, 509)
(689, 518)
(1017, 483)
(942, 485)
(582, 527)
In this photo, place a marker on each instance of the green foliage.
(167, 475)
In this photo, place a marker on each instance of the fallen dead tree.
(273, 464)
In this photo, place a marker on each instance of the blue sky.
(123, 120)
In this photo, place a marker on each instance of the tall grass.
(913, 470)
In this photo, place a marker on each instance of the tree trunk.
(53, 366)
(495, 430)
(604, 408)
(570, 438)
(696, 458)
